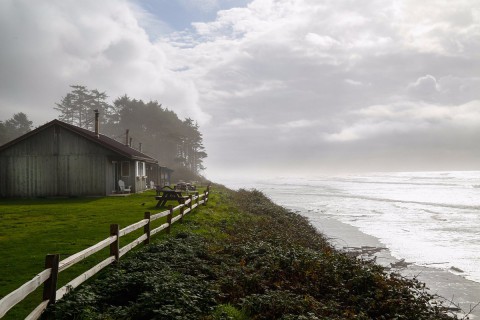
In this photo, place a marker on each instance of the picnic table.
(167, 195)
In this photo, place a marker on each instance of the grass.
(32, 228)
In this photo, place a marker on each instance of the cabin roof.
(102, 140)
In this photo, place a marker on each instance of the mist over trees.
(156, 130)
(14, 127)
(175, 143)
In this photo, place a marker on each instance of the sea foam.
(428, 218)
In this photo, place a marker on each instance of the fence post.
(169, 218)
(208, 192)
(205, 197)
(50, 286)
(198, 198)
(115, 246)
(146, 228)
(190, 203)
(182, 209)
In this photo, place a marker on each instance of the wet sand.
(452, 287)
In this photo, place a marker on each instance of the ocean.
(431, 219)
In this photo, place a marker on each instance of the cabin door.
(116, 175)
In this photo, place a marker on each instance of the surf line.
(433, 204)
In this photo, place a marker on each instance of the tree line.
(156, 130)
(14, 127)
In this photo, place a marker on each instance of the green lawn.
(32, 228)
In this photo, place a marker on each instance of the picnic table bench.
(167, 195)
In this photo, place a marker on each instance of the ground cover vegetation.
(243, 257)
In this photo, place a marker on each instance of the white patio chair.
(122, 187)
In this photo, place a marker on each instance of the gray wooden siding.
(55, 162)
(25, 176)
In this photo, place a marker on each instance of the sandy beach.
(463, 292)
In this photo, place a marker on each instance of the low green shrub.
(164, 281)
(228, 312)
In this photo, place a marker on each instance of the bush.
(162, 281)
(228, 312)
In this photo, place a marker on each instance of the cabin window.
(140, 168)
(125, 169)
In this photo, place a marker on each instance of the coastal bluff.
(244, 257)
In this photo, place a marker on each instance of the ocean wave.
(401, 183)
(314, 183)
(433, 204)
(431, 178)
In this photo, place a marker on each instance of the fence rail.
(53, 265)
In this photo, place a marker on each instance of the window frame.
(125, 169)
(140, 169)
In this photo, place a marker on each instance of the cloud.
(238, 123)
(317, 84)
(322, 42)
(353, 82)
(441, 27)
(302, 123)
(345, 75)
(424, 87)
(53, 44)
(379, 121)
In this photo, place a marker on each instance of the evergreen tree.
(175, 143)
(14, 127)
(78, 106)
(192, 151)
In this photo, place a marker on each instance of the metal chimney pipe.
(97, 131)
(140, 146)
(126, 138)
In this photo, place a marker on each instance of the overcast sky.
(279, 87)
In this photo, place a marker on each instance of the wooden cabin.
(59, 159)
